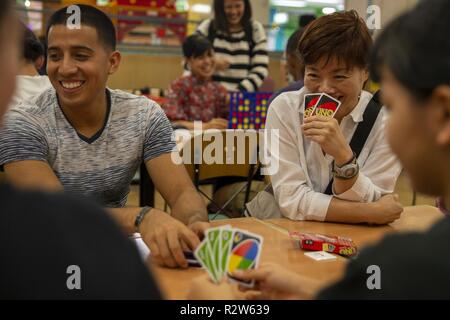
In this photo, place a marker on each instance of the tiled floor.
(403, 189)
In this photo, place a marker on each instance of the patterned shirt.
(100, 167)
(191, 99)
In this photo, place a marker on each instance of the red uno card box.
(320, 242)
(248, 110)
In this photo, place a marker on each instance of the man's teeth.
(71, 85)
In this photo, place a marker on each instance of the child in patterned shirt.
(195, 97)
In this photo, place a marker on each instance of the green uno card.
(213, 237)
(204, 256)
(225, 245)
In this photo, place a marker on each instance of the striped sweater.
(247, 69)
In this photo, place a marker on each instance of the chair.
(215, 154)
(146, 188)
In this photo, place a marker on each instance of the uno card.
(244, 254)
(310, 101)
(213, 237)
(226, 235)
(327, 106)
(320, 255)
(205, 257)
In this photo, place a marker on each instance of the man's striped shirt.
(101, 167)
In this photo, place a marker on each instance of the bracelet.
(140, 217)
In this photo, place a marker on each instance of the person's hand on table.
(167, 238)
(271, 282)
(222, 64)
(216, 123)
(386, 210)
(202, 288)
(326, 132)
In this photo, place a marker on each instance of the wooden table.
(279, 248)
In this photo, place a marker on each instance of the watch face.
(350, 172)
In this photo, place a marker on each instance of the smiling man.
(335, 52)
(84, 138)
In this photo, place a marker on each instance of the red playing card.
(327, 106)
(310, 101)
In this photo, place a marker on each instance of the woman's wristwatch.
(346, 171)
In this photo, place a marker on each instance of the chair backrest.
(214, 154)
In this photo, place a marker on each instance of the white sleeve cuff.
(319, 207)
(308, 205)
(358, 192)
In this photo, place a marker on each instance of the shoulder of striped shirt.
(120, 95)
(259, 34)
(128, 102)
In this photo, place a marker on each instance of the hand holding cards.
(320, 104)
(225, 250)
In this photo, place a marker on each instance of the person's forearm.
(187, 124)
(125, 217)
(342, 185)
(348, 212)
(189, 207)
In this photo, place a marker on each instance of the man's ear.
(114, 60)
(440, 102)
(39, 63)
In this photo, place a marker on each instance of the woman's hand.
(327, 133)
(222, 64)
(386, 210)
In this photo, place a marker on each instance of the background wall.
(137, 71)
(389, 8)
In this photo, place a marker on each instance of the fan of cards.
(320, 104)
(225, 250)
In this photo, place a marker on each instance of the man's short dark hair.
(196, 45)
(32, 47)
(90, 16)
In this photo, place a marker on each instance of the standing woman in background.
(240, 44)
